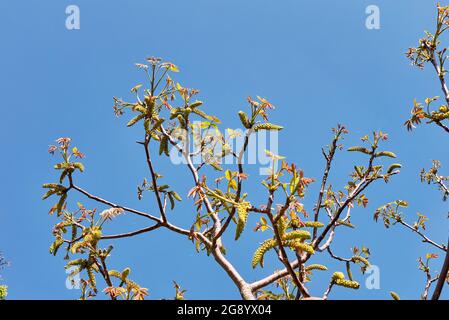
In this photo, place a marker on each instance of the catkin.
(316, 267)
(242, 213)
(313, 224)
(267, 126)
(297, 234)
(260, 252)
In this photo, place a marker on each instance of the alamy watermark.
(72, 22)
(372, 21)
(73, 280)
(209, 146)
(372, 281)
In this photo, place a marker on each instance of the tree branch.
(239, 185)
(328, 291)
(154, 179)
(423, 236)
(357, 190)
(284, 257)
(329, 159)
(111, 204)
(442, 277)
(242, 285)
(272, 277)
(132, 233)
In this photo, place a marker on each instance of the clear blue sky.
(315, 61)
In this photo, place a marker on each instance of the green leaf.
(175, 112)
(56, 245)
(61, 203)
(172, 201)
(134, 120)
(158, 124)
(48, 194)
(359, 149)
(233, 184)
(359, 171)
(163, 147)
(63, 176)
(62, 165)
(79, 166)
(216, 166)
(244, 119)
(394, 295)
(140, 108)
(195, 104)
(205, 116)
(385, 154)
(176, 195)
(393, 167)
(402, 203)
(135, 88)
(172, 67)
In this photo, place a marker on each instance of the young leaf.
(393, 167)
(359, 149)
(385, 154)
(134, 120)
(244, 120)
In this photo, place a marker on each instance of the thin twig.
(329, 159)
(113, 205)
(328, 291)
(154, 179)
(423, 236)
(132, 233)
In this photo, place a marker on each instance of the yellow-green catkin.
(298, 245)
(316, 267)
(260, 252)
(267, 126)
(313, 224)
(297, 234)
(242, 214)
(347, 284)
(359, 259)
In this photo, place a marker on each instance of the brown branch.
(328, 291)
(284, 257)
(132, 233)
(242, 285)
(357, 190)
(113, 205)
(329, 159)
(438, 68)
(442, 185)
(329, 240)
(442, 277)
(429, 281)
(443, 126)
(239, 186)
(337, 257)
(105, 273)
(423, 236)
(154, 179)
(272, 277)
